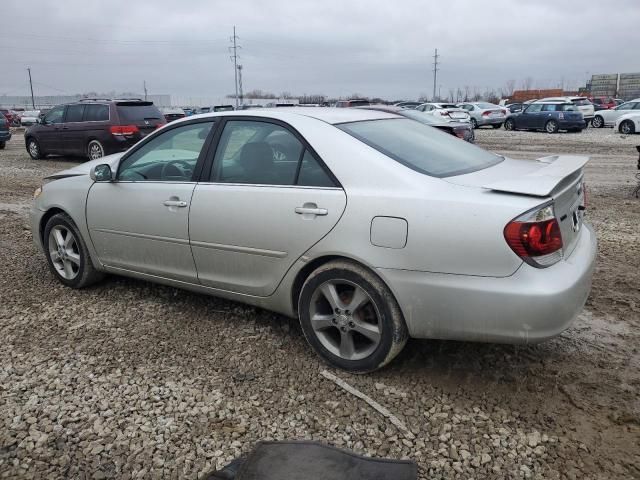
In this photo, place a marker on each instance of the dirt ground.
(132, 380)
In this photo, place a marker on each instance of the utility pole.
(144, 83)
(435, 73)
(33, 102)
(240, 83)
(234, 48)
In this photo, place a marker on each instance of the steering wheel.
(182, 168)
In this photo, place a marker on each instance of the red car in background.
(603, 103)
(9, 115)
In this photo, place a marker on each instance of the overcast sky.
(333, 47)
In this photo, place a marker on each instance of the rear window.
(448, 105)
(486, 105)
(138, 111)
(581, 102)
(420, 147)
(359, 103)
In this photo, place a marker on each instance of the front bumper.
(35, 217)
(530, 306)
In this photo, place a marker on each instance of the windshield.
(420, 147)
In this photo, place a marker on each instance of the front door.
(140, 222)
(530, 117)
(50, 132)
(266, 201)
(73, 137)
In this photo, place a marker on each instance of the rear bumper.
(530, 306)
(5, 136)
(491, 120)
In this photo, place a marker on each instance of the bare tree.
(459, 97)
(527, 83)
(423, 97)
(509, 87)
(467, 91)
(452, 92)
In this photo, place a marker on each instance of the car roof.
(326, 114)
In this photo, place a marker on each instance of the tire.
(627, 127)
(33, 147)
(95, 150)
(551, 126)
(68, 258)
(336, 334)
(509, 124)
(2, 145)
(474, 123)
(597, 122)
(496, 126)
(587, 123)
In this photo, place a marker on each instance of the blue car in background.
(550, 116)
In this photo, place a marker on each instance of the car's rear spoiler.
(542, 182)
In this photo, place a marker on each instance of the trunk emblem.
(575, 221)
(146, 122)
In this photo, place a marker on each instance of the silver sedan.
(369, 227)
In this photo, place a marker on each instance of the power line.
(234, 48)
(435, 74)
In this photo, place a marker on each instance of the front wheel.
(474, 123)
(551, 126)
(597, 122)
(509, 124)
(95, 150)
(33, 147)
(627, 127)
(67, 254)
(350, 318)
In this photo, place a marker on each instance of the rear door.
(73, 134)
(266, 200)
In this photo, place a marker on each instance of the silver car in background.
(483, 113)
(448, 112)
(367, 226)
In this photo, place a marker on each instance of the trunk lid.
(558, 178)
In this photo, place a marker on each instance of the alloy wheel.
(64, 252)
(95, 150)
(597, 122)
(626, 127)
(33, 149)
(345, 319)
(551, 126)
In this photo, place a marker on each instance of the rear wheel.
(350, 318)
(33, 147)
(67, 254)
(627, 127)
(597, 122)
(509, 124)
(474, 123)
(95, 150)
(2, 145)
(551, 126)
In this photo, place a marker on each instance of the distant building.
(619, 85)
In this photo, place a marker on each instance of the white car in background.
(449, 112)
(608, 118)
(29, 117)
(584, 105)
(628, 123)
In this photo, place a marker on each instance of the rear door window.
(420, 147)
(75, 113)
(96, 113)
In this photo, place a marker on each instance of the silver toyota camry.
(369, 227)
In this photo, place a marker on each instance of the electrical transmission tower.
(435, 74)
(240, 83)
(234, 57)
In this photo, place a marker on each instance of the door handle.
(311, 211)
(175, 203)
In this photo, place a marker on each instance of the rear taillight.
(486, 114)
(535, 237)
(123, 130)
(445, 113)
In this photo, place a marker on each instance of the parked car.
(583, 104)
(417, 235)
(515, 107)
(172, 113)
(445, 111)
(628, 123)
(461, 130)
(352, 103)
(216, 108)
(408, 104)
(29, 117)
(483, 113)
(603, 103)
(548, 116)
(5, 131)
(92, 128)
(607, 118)
(10, 115)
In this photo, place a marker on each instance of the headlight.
(37, 192)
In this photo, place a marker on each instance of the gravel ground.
(133, 380)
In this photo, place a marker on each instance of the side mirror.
(101, 173)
